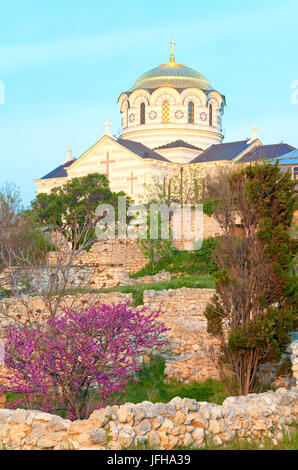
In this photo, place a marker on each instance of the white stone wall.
(162, 426)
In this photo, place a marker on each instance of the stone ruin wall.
(162, 425)
(106, 253)
(188, 351)
(128, 253)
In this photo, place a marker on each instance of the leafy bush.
(77, 359)
(209, 206)
(189, 262)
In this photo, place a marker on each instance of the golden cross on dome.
(172, 42)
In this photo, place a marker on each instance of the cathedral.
(171, 119)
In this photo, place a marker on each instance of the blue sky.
(64, 64)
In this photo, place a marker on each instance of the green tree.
(74, 204)
(255, 306)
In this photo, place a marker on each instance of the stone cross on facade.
(132, 179)
(107, 162)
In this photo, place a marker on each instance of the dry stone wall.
(161, 425)
(126, 253)
(188, 352)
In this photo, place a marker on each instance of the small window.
(191, 112)
(142, 113)
(166, 111)
(295, 173)
(210, 115)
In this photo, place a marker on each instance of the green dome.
(173, 75)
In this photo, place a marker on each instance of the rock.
(58, 424)
(151, 410)
(46, 443)
(254, 412)
(139, 415)
(153, 439)
(163, 438)
(262, 424)
(187, 439)
(101, 417)
(80, 426)
(126, 435)
(213, 427)
(20, 416)
(157, 422)
(144, 427)
(216, 412)
(177, 402)
(179, 418)
(126, 413)
(46, 417)
(198, 435)
(199, 421)
(98, 436)
(167, 426)
(167, 410)
(5, 415)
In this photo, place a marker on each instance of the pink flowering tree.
(76, 360)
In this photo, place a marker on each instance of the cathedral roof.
(218, 152)
(173, 75)
(141, 150)
(59, 172)
(176, 144)
(266, 152)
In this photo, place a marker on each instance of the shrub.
(189, 262)
(255, 306)
(77, 359)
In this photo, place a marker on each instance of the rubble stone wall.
(188, 352)
(161, 425)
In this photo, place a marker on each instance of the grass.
(137, 290)
(150, 385)
(202, 282)
(186, 262)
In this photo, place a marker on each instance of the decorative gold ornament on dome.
(172, 74)
(172, 42)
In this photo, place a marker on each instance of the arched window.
(210, 115)
(191, 112)
(142, 113)
(166, 111)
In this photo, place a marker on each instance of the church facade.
(171, 119)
